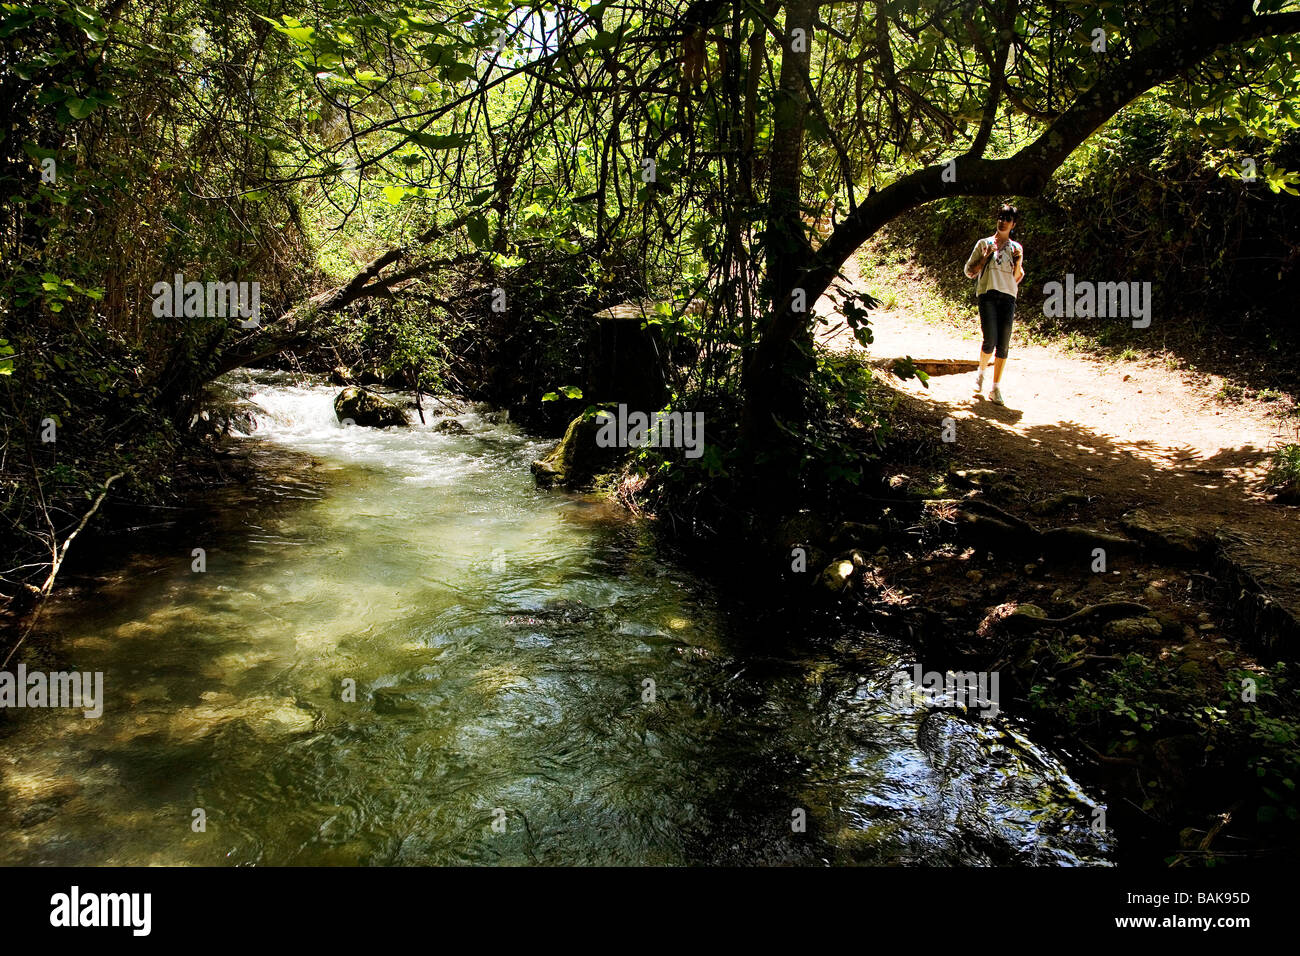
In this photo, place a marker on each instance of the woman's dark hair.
(1008, 211)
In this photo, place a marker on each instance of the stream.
(401, 652)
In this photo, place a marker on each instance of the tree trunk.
(786, 246)
(1025, 173)
(788, 249)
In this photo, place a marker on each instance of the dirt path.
(1129, 434)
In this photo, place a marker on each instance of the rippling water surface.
(501, 641)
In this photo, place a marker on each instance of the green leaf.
(79, 108)
(294, 30)
(457, 72)
(568, 391)
(478, 230)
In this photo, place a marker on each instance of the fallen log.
(931, 366)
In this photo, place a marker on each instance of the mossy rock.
(577, 459)
(837, 576)
(364, 407)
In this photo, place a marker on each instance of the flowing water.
(402, 652)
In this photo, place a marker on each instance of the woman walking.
(997, 262)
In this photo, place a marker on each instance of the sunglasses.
(1005, 217)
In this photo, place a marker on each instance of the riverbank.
(1132, 637)
(1141, 671)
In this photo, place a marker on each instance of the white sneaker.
(979, 383)
(995, 396)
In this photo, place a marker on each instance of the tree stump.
(626, 362)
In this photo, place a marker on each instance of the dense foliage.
(444, 195)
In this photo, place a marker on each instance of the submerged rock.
(407, 699)
(450, 426)
(267, 717)
(366, 408)
(50, 796)
(951, 743)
